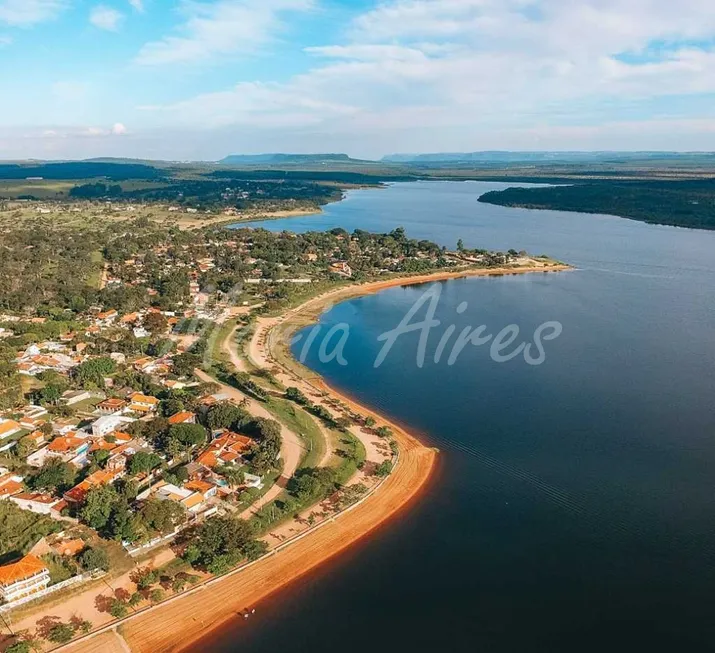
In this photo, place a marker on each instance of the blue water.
(575, 508)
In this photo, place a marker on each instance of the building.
(225, 449)
(99, 478)
(184, 417)
(10, 484)
(108, 424)
(42, 504)
(8, 428)
(111, 406)
(142, 403)
(67, 448)
(72, 397)
(23, 578)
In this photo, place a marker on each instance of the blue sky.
(199, 79)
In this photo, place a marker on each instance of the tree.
(91, 559)
(225, 415)
(234, 475)
(384, 469)
(146, 577)
(185, 364)
(135, 599)
(100, 457)
(162, 516)
(91, 373)
(60, 633)
(118, 609)
(98, 506)
(18, 647)
(188, 435)
(24, 447)
(156, 596)
(294, 394)
(171, 406)
(155, 323)
(313, 484)
(143, 463)
(369, 422)
(221, 542)
(383, 431)
(343, 423)
(54, 476)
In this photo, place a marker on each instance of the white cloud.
(5, 41)
(138, 5)
(225, 27)
(25, 13)
(118, 129)
(106, 18)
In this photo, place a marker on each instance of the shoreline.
(183, 621)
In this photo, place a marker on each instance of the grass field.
(298, 421)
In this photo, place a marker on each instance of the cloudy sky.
(199, 79)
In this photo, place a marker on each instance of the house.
(69, 547)
(23, 578)
(184, 417)
(107, 317)
(68, 448)
(10, 484)
(191, 500)
(99, 478)
(342, 268)
(42, 504)
(111, 406)
(72, 397)
(227, 448)
(142, 403)
(108, 424)
(8, 428)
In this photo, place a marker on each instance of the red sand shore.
(179, 624)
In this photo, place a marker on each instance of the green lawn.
(298, 421)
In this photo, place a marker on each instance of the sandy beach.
(180, 623)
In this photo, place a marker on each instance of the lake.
(574, 507)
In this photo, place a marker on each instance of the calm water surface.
(575, 507)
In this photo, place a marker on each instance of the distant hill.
(497, 157)
(252, 159)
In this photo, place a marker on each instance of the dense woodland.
(684, 203)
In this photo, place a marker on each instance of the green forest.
(683, 203)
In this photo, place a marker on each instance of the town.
(141, 441)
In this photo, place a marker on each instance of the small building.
(41, 504)
(111, 406)
(23, 578)
(108, 424)
(142, 403)
(184, 417)
(72, 397)
(8, 428)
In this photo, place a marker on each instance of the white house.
(108, 424)
(42, 504)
